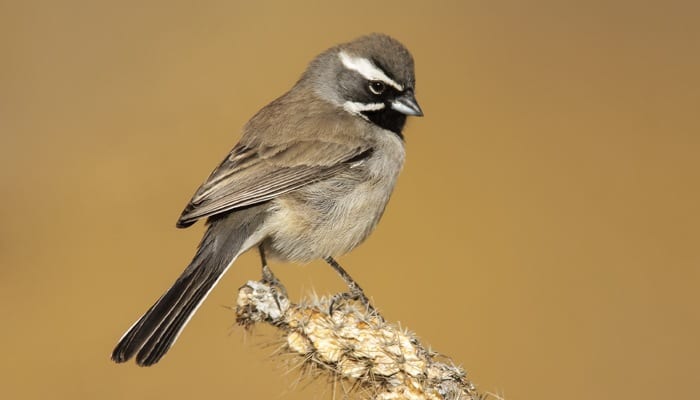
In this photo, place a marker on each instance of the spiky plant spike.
(353, 345)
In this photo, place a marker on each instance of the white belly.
(332, 217)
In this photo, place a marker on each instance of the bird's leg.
(267, 276)
(355, 293)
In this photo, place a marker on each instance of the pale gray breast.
(332, 217)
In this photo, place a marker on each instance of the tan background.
(544, 232)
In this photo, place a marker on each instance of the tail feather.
(153, 335)
(158, 344)
(158, 329)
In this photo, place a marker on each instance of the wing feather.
(256, 174)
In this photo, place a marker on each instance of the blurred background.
(544, 233)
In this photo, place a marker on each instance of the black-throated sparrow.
(309, 179)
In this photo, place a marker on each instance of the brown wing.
(253, 175)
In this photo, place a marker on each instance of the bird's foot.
(358, 296)
(270, 279)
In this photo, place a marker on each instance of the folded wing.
(256, 174)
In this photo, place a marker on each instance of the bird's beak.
(407, 104)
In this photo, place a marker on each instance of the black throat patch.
(387, 118)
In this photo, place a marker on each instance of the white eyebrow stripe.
(368, 70)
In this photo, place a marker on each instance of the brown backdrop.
(544, 232)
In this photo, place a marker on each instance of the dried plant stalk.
(352, 344)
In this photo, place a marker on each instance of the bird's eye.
(377, 87)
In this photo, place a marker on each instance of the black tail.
(156, 331)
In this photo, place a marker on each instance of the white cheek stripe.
(368, 70)
(355, 107)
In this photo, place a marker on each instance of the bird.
(309, 179)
